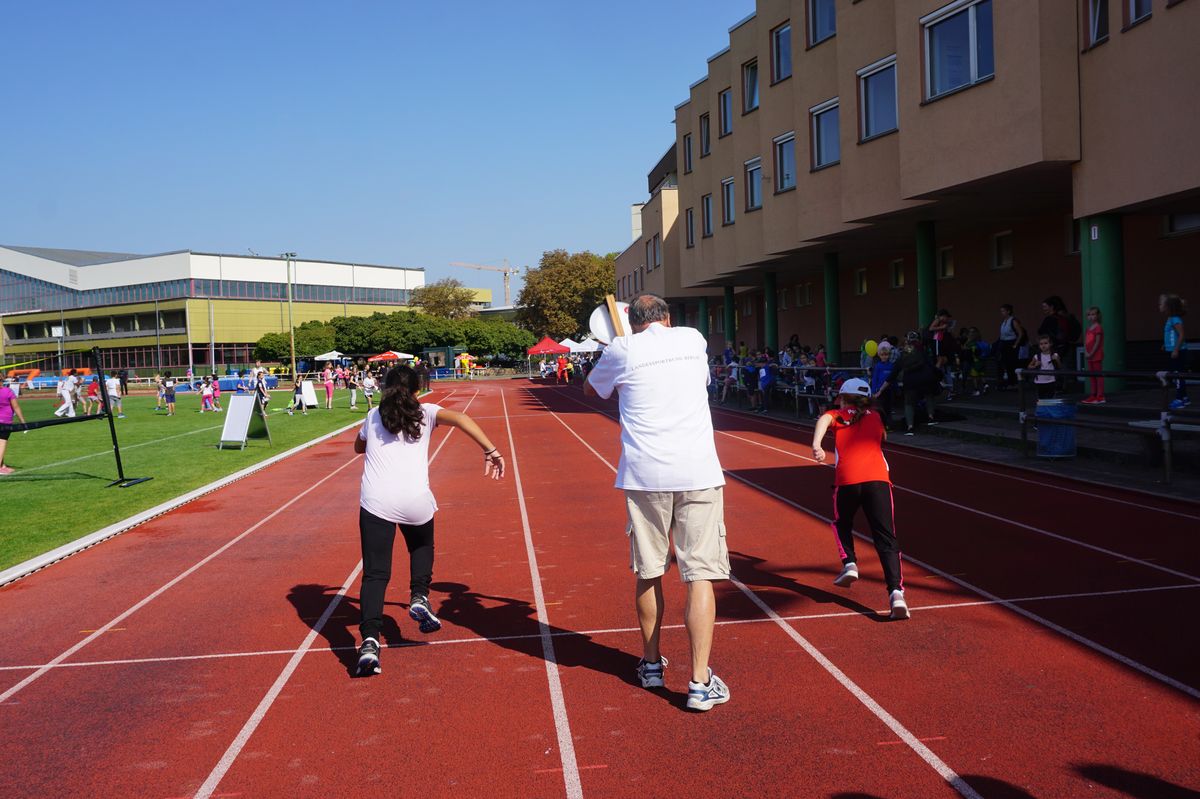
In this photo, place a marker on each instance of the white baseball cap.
(855, 386)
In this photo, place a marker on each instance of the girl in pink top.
(1093, 350)
(328, 378)
(8, 406)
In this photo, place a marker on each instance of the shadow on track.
(747, 568)
(1133, 783)
(310, 601)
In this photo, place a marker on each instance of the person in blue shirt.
(1175, 344)
(881, 380)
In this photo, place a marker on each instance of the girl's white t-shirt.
(395, 481)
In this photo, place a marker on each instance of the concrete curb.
(40, 562)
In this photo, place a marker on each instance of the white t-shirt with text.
(661, 378)
(395, 481)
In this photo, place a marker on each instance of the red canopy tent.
(547, 346)
(390, 355)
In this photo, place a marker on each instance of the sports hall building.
(175, 310)
(844, 168)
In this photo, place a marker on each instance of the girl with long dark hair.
(395, 492)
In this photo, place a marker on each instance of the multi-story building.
(847, 167)
(175, 310)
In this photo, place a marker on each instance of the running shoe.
(418, 610)
(899, 606)
(651, 674)
(10, 470)
(368, 658)
(909, 432)
(702, 696)
(1179, 404)
(848, 576)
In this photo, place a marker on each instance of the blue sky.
(402, 133)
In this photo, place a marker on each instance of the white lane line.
(243, 737)
(123, 449)
(260, 712)
(967, 508)
(923, 751)
(605, 631)
(562, 726)
(1004, 473)
(166, 586)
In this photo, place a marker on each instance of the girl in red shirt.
(1093, 350)
(861, 480)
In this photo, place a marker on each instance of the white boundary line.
(910, 452)
(606, 631)
(243, 737)
(922, 751)
(562, 726)
(123, 449)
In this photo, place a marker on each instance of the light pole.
(291, 325)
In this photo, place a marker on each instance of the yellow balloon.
(870, 348)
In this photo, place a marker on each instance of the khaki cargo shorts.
(697, 519)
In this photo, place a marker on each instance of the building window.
(657, 251)
(718, 322)
(877, 93)
(1183, 223)
(1097, 21)
(725, 112)
(803, 294)
(753, 184)
(958, 46)
(749, 86)
(781, 303)
(705, 143)
(822, 20)
(945, 263)
(706, 217)
(898, 273)
(747, 307)
(649, 254)
(1002, 250)
(1073, 235)
(689, 217)
(687, 153)
(1136, 10)
(826, 148)
(860, 281)
(785, 162)
(728, 198)
(781, 52)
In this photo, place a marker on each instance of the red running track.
(206, 652)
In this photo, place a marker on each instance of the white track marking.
(123, 449)
(1005, 473)
(243, 737)
(566, 746)
(605, 631)
(260, 712)
(923, 751)
(967, 508)
(166, 586)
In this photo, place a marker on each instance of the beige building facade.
(846, 167)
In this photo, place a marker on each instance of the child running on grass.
(395, 491)
(861, 480)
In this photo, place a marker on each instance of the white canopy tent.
(588, 345)
(332, 355)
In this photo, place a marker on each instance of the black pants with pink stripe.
(875, 499)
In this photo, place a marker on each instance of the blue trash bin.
(1055, 440)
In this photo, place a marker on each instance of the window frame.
(689, 220)
(705, 135)
(870, 71)
(658, 255)
(942, 272)
(929, 21)
(728, 201)
(896, 270)
(1092, 16)
(811, 18)
(1128, 11)
(776, 144)
(775, 35)
(994, 259)
(753, 182)
(687, 153)
(746, 83)
(706, 216)
(818, 110)
(860, 282)
(725, 112)
(1171, 228)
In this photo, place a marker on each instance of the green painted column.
(771, 312)
(833, 311)
(730, 310)
(703, 320)
(1103, 255)
(927, 302)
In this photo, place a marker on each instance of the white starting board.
(308, 393)
(245, 418)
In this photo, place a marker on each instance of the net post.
(122, 480)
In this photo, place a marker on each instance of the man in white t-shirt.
(113, 384)
(672, 481)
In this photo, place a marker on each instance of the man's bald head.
(648, 308)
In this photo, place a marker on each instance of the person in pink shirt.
(327, 377)
(1093, 350)
(216, 395)
(8, 407)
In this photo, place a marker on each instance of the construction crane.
(506, 269)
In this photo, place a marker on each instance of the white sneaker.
(848, 576)
(704, 696)
(899, 606)
(651, 674)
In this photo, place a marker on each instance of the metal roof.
(75, 257)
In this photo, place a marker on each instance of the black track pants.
(875, 499)
(377, 537)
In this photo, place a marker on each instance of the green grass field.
(59, 491)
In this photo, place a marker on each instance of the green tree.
(447, 298)
(560, 294)
(272, 347)
(314, 338)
